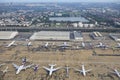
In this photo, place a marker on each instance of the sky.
(59, 1)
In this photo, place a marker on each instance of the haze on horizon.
(29, 1)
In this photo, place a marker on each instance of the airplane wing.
(46, 68)
(2, 64)
(57, 68)
(78, 70)
(88, 70)
(28, 66)
(113, 72)
(14, 44)
(16, 66)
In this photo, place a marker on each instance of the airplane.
(20, 68)
(90, 46)
(35, 68)
(64, 45)
(6, 70)
(83, 44)
(11, 44)
(45, 45)
(51, 69)
(67, 70)
(29, 44)
(83, 71)
(24, 60)
(116, 72)
(101, 45)
(2, 64)
(118, 45)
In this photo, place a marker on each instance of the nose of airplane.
(17, 72)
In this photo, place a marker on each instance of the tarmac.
(102, 66)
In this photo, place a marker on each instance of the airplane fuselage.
(29, 44)
(19, 69)
(51, 70)
(67, 71)
(83, 69)
(10, 44)
(118, 74)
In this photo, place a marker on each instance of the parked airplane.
(83, 71)
(118, 45)
(22, 67)
(90, 46)
(35, 68)
(116, 72)
(11, 44)
(64, 45)
(67, 70)
(45, 45)
(83, 44)
(2, 64)
(101, 45)
(51, 69)
(29, 44)
(24, 60)
(6, 70)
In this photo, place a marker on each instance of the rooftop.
(51, 35)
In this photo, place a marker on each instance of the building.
(7, 35)
(115, 37)
(78, 36)
(51, 35)
(80, 24)
(97, 36)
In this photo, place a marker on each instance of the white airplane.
(64, 45)
(35, 68)
(116, 72)
(2, 64)
(11, 44)
(67, 71)
(51, 69)
(90, 45)
(83, 44)
(83, 71)
(45, 45)
(29, 44)
(118, 45)
(101, 45)
(6, 70)
(20, 68)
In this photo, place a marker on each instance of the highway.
(28, 29)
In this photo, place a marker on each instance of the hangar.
(97, 36)
(51, 35)
(7, 35)
(116, 37)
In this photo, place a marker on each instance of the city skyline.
(28, 1)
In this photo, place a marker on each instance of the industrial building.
(51, 35)
(78, 36)
(97, 36)
(116, 37)
(6, 35)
